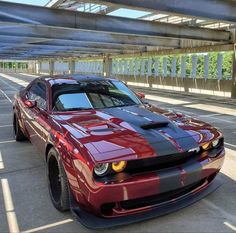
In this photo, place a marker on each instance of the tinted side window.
(37, 92)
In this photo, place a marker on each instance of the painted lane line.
(166, 100)
(203, 116)
(15, 80)
(224, 214)
(22, 170)
(8, 77)
(183, 111)
(7, 84)
(1, 162)
(227, 121)
(230, 226)
(9, 141)
(6, 95)
(228, 144)
(30, 75)
(5, 126)
(211, 115)
(200, 116)
(48, 226)
(216, 109)
(9, 207)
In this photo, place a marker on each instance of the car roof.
(72, 78)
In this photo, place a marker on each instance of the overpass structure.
(167, 49)
(154, 49)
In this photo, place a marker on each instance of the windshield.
(92, 95)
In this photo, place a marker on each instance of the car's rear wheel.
(57, 182)
(19, 135)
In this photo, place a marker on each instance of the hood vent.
(155, 125)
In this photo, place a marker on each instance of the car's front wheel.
(57, 182)
(19, 135)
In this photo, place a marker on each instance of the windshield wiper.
(123, 105)
(77, 109)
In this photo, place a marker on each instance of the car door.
(36, 118)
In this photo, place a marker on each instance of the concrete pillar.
(233, 89)
(131, 67)
(71, 67)
(194, 66)
(125, 67)
(219, 66)
(85, 67)
(37, 67)
(157, 67)
(113, 67)
(92, 67)
(51, 67)
(117, 67)
(120, 67)
(164, 71)
(80, 66)
(101, 67)
(183, 67)
(149, 73)
(143, 67)
(107, 66)
(183, 73)
(173, 67)
(136, 71)
(97, 67)
(206, 67)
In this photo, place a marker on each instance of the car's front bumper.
(127, 192)
(92, 221)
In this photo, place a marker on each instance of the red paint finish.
(88, 137)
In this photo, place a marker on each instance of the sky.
(31, 2)
(120, 12)
(128, 13)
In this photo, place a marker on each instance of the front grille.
(160, 198)
(159, 162)
(149, 165)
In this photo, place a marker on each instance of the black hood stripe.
(169, 139)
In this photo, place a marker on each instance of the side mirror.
(141, 95)
(30, 103)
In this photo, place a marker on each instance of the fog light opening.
(107, 209)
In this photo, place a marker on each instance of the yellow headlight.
(206, 146)
(119, 166)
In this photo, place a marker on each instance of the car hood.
(134, 132)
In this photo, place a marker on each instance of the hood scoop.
(155, 125)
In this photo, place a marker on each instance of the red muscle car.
(111, 157)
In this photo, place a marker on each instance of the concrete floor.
(25, 205)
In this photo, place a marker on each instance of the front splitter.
(95, 222)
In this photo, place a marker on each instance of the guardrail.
(209, 86)
(5, 70)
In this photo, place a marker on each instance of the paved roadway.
(24, 201)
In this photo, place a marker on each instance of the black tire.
(19, 135)
(57, 182)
